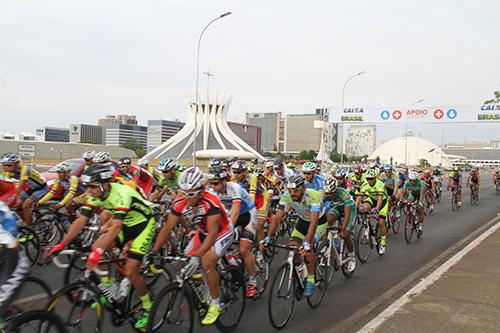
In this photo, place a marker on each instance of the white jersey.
(235, 193)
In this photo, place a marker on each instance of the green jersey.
(123, 202)
(311, 202)
(414, 189)
(374, 191)
(172, 182)
(390, 182)
(357, 183)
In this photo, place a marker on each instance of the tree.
(494, 100)
(335, 157)
(132, 144)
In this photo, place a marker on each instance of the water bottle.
(124, 288)
(231, 259)
(302, 270)
(337, 244)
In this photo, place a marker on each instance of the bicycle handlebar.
(59, 264)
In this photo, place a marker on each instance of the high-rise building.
(248, 133)
(83, 133)
(361, 140)
(117, 119)
(160, 131)
(269, 123)
(301, 132)
(117, 134)
(52, 134)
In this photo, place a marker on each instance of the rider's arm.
(107, 239)
(312, 227)
(422, 196)
(347, 216)
(75, 229)
(51, 194)
(380, 200)
(165, 231)
(213, 222)
(73, 187)
(235, 211)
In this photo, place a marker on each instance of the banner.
(487, 113)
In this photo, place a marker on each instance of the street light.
(198, 79)
(406, 132)
(343, 98)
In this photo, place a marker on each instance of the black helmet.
(214, 162)
(124, 161)
(295, 181)
(217, 173)
(98, 173)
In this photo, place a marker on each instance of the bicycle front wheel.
(36, 321)
(172, 311)
(409, 229)
(396, 222)
(325, 262)
(281, 297)
(363, 245)
(31, 244)
(232, 286)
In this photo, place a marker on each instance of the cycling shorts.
(142, 237)
(339, 214)
(302, 227)
(35, 194)
(390, 191)
(221, 244)
(385, 206)
(15, 266)
(413, 197)
(248, 224)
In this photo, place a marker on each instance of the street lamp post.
(406, 132)
(343, 98)
(198, 79)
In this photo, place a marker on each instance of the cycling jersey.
(316, 183)
(391, 181)
(474, 177)
(69, 186)
(357, 183)
(8, 192)
(171, 183)
(33, 180)
(340, 200)
(414, 189)
(250, 184)
(208, 205)
(123, 202)
(455, 176)
(373, 192)
(311, 202)
(235, 193)
(8, 225)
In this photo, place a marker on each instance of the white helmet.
(88, 155)
(413, 175)
(191, 179)
(143, 162)
(62, 167)
(330, 185)
(101, 157)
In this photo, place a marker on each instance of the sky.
(71, 61)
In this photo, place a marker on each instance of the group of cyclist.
(234, 198)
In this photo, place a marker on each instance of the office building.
(83, 133)
(248, 133)
(301, 132)
(117, 119)
(117, 134)
(269, 123)
(52, 134)
(160, 131)
(361, 140)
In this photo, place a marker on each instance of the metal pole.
(198, 80)
(406, 133)
(341, 125)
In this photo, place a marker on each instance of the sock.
(310, 278)
(146, 302)
(106, 281)
(251, 280)
(216, 302)
(382, 240)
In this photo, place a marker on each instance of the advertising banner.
(486, 113)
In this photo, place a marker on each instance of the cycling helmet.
(455, 168)
(330, 185)
(10, 158)
(387, 167)
(180, 166)
(191, 179)
(364, 167)
(88, 155)
(290, 166)
(101, 157)
(250, 167)
(124, 161)
(98, 173)
(278, 163)
(166, 165)
(358, 169)
(269, 164)
(214, 162)
(340, 173)
(143, 162)
(295, 181)
(413, 175)
(259, 172)
(309, 167)
(371, 174)
(239, 165)
(217, 173)
(62, 167)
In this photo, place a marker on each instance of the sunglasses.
(307, 173)
(8, 165)
(237, 172)
(370, 179)
(215, 183)
(190, 194)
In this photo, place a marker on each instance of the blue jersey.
(236, 193)
(8, 225)
(316, 183)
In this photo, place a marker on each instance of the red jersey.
(8, 192)
(196, 217)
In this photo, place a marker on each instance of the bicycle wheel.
(396, 222)
(36, 321)
(232, 286)
(453, 202)
(75, 301)
(34, 294)
(325, 262)
(363, 245)
(320, 285)
(31, 243)
(49, 229)
(282, 297)
(409, 228)
(346, 255)
(261, 272)
(75, 269)
(172, 311)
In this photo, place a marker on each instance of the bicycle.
(288, 286)
(497, 185)
(368, 235)
(438, 191)
(174, 307)
(411, 223)
(427, 203)
(474, 197)
(334, 248)
(393, 220)
(454, 201)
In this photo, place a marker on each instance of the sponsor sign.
(27, 150)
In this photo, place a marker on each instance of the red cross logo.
(396, 114)
(438, 114)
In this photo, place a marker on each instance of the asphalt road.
(343, 307)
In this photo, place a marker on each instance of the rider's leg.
(247, 255)
(208, 263)
(27, 213)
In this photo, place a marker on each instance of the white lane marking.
(424, 284)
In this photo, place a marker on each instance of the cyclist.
(213, 237)
(247, 180)
(306, 203)
(391, 183)
(372, 195)
(341, 208)
(263, 210)
(496, 177)
(88, 160)
(455, 183)
(474, 179)
(243, 215)
(428, 179)
(342, 180)
(168, 180)
(414, 191)
(32, 186)
(357, 179)
(67, 184)
(313, 180)
(438, 180)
